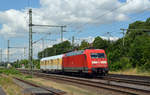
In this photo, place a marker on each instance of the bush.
(125, 63)
(122, 64)
(29, 76)
(145, 67)
(11, 71)
(115, 66)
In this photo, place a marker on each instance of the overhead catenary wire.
(104, 14)
(80, 31)
(131, 19)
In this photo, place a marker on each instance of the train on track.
(89, 61)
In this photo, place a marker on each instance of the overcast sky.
(85, 19)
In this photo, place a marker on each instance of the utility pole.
(72, 40)
(30, 36)
(62, 30)
(7, 54)
(30, 41)
(43, 53)
(129, 30)
(1, 56)
(108, 33)
(17, 63)
(8, 51)
(24, 52)
(123, 34)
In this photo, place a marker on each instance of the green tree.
(84, 45)
(139, 51)
(99, 43)
(56, 49)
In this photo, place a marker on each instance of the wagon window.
(97, 55)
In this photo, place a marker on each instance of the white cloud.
(110, 38)
(14, 54)
(76, 12)
(91, 39)
(13, 23)
(135, 6)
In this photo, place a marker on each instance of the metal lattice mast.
(1, 55)
(123, 35)
(30, 40)
(7, 54)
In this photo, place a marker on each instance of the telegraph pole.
(7, 54)
(43, 53)
(129, 30)
(30, 36)
(24, 52)
(30, 40)
(108, 33)
(8, 51)
(1, 55)
(62, 30)
(123, 34)
(72, 40)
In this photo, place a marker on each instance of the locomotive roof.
(75, 53)
(78, 52)
(52, 57)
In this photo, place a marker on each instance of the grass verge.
(134, 71)
(9, 86)
(70, 89)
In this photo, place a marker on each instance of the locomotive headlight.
(103, 62)
(94, 62)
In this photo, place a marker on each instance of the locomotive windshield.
(97, 55)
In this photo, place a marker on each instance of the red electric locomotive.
(90, 61)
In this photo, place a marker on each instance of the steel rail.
(45, 88)
(137, 77)
(108, 86)
(86, 82)
(131, 81)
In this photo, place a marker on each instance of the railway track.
(34, 89)
(131, 81)
(135, 77)
(128, 87)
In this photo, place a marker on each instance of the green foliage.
(139, 51)
(10, 71)
(122, 63)
(84, 45)
(136, 51)
(25, 62)
(56, 49)
(28, 76)
(36, 64)
(19, 63)
(99, 43)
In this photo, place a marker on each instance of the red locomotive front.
(97, 61)
(91, 61)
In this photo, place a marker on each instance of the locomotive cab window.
(97, 55)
